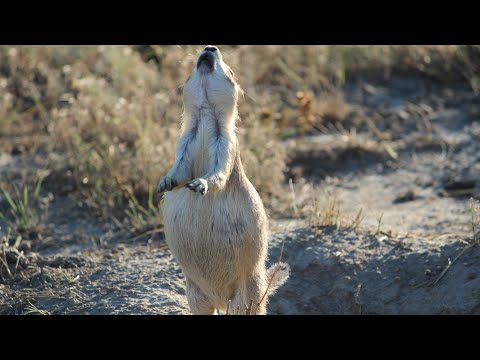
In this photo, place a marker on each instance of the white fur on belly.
(213, 237)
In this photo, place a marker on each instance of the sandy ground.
(333, 272)
(80, 264)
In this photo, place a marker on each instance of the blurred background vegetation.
(98, 124)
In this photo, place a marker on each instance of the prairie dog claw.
(198, 185)
(166, 184)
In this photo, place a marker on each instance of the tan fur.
(219, 238)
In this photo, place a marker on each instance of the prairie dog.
(215, 223)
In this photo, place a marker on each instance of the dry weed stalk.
(474, 211)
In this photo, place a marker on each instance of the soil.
(80, 263)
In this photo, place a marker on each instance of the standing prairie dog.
(215, 223)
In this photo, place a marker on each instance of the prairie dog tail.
(277, 274)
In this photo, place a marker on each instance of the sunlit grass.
(110, 115)
(20, 205)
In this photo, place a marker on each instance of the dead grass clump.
(325, 114)
(320, 207)
(325, 212)
(21, 294)
(474, 209)
(324, 209)
(12, 256)
(332, 108)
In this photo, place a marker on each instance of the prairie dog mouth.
(208, 59)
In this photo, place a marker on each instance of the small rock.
(405, 197)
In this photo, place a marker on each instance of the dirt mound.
(332, 272)
(342, 272)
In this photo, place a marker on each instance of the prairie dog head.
(212, 86)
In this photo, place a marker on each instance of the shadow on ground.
(343, 272)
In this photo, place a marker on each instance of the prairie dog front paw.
(166, 184)
(198, 185)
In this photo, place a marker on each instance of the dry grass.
(11, 257)
(105, 118)
(319, 207)
(474, 209)
(109, 121)
(475, 220)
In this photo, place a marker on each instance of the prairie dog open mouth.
(208, 59)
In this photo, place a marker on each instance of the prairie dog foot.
(166, 184)
(198, 185)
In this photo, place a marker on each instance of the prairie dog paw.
(166, 184)
(198, 185)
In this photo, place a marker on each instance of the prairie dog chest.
(209, 95)
(209, 105)
(202, 149)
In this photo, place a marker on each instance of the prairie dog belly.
(214, 236)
